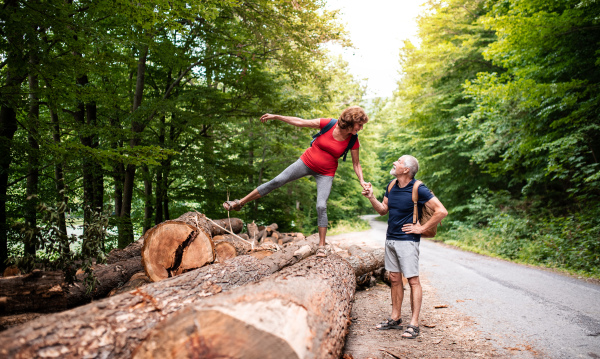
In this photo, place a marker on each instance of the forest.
(116, 116)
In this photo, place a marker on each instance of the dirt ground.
(445, 333)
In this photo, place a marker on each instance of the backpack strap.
(353, 140)
(415, 199)
(391, 185)
(327, 127)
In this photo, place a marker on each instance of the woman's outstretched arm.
(357, 167)
(296, 121)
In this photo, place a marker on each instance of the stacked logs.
(301, 306)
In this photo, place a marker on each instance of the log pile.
(260, 294)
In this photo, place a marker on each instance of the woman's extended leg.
(294, 171)
(323, 190)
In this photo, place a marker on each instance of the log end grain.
(174, 247)
(224, 251)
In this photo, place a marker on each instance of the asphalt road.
(528, 312)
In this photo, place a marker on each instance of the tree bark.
(364, 259)
(301, 312)
(115, 326)
(47, 292)
(8, 118)
(58, 172)
(33, 175)
(148, 209)
(126, 228)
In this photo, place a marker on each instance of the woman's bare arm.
(296, 121)
(357, 167)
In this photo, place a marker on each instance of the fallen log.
(224, 251)
(301, 312)
(47, 291)
(115, 326)
(137, 280)
(365, 259)
(134, 249)
(241, 247)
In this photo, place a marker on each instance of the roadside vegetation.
(500, 102)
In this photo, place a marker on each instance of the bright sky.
(377, 29)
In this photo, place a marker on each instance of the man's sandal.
(321, 252)
(233, 205)
(413, 330)
(390, 324)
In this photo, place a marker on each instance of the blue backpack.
(328, 127)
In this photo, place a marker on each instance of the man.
(402, 239)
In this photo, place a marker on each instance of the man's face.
(398, 167)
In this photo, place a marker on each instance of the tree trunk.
(301, 312)
(148, 209)
(8, 124)
(101, 325)
(126, 228)
(42, 291)
(33, 175)
(58, 172)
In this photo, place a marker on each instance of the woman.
(320, 161)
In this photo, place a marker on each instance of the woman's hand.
(266, 117)
(365, 185)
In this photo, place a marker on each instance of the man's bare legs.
(397, 294)
(416, 298)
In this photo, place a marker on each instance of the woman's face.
(357, 127)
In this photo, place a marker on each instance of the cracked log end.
(174, 247)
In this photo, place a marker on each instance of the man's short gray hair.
(412, 164)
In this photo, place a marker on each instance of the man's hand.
(365, 185)
(368, 192)
(412, 228)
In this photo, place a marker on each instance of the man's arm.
(439, 213)
(380, 207)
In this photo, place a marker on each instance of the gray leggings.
(298, 170)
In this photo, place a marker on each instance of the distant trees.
(144, 110)
(500, 102)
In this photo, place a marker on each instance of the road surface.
(552, 315)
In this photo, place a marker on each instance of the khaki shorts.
(403, 257)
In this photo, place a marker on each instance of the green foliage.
(499, 102)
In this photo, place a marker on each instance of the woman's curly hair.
(351, 116)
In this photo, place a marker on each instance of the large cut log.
(47, 292)
(301, 312)
(175, 247)
(113, 327)
(134, 249)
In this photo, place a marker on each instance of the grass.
(348, 226)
